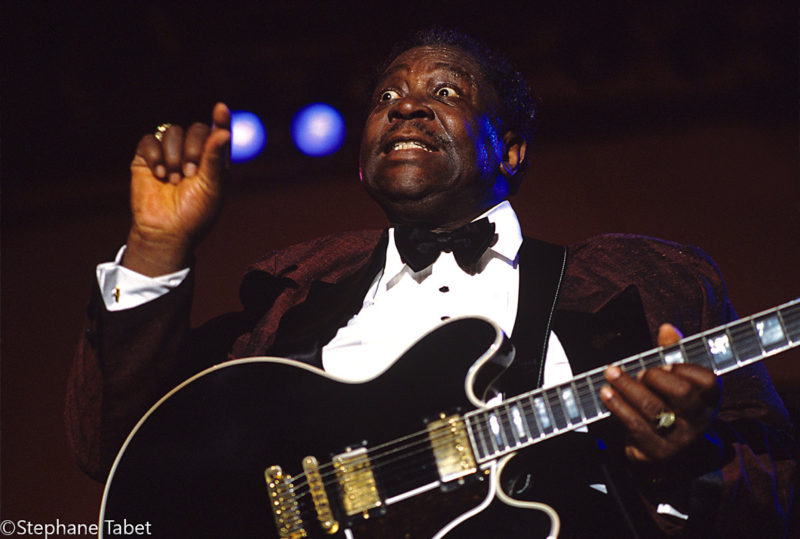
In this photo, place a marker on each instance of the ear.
(514, 150)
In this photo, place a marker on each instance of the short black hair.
(516, 101)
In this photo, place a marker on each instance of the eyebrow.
(457, 70)
(452, 68)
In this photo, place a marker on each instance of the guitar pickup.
(357, 487)
(451, 448)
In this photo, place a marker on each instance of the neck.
(440, 225)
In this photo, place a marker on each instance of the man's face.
(430, 152)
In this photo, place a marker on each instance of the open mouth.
(408, 144)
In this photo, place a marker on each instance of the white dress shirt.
(402, 306)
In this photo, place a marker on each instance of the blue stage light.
(318, 129)
(248, 134)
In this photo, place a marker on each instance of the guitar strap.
(541, 267)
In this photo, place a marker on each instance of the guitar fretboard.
(537, 415)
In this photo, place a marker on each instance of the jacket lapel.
(308, 326)
(615, 331)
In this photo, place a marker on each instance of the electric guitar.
(270, 447)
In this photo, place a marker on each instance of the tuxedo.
(604, 298)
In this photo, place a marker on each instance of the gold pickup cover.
(451, 448)
(356, 482)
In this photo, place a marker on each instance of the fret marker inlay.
(720, 348)
(671, 358)
(770, 331)
(541, 411)
(569, 402)
(494, 424)
(516, 417)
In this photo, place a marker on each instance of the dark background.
(671, 119)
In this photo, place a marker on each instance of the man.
(443, 147)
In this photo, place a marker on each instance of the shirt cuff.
(123, 288)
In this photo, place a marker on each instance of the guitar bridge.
(451, 448)
(317, 488)
(284, 504)
(356, 482)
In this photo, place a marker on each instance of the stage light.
(249, 136)
(318, 129)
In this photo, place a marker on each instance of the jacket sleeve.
(737, 480)
(742, 471)
(124, 362)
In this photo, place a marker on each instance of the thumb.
(216, 152)
(668, 335)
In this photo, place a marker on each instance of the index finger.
(221, 116)
(687, 387)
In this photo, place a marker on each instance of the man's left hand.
(689, 392)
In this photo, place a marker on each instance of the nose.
(410, 108)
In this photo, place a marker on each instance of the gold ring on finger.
(665, 420)
(160, 130)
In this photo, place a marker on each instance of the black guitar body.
(194, 467)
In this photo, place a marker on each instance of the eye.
(446, 91)
(388, 95)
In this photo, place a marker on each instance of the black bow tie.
(419, 247)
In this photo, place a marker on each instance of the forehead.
(436, 58)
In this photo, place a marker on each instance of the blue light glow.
(318, 130)
(248, 134)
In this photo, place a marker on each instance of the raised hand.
(689, 392)
(176, 193)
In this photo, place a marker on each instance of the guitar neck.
(544, 413)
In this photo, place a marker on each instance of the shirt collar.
(509, 240)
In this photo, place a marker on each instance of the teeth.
(408, 145)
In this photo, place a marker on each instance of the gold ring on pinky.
(665, 420)
(160, 130)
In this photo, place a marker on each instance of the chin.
(415, 208)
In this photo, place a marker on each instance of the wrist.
(155, 256)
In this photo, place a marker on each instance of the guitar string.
(644, 361)
(421, 456)
(417, 440)
(391, 447)
(412, 465)
(305, 506)
(584, 388)
(483, 430)
(480, 426)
